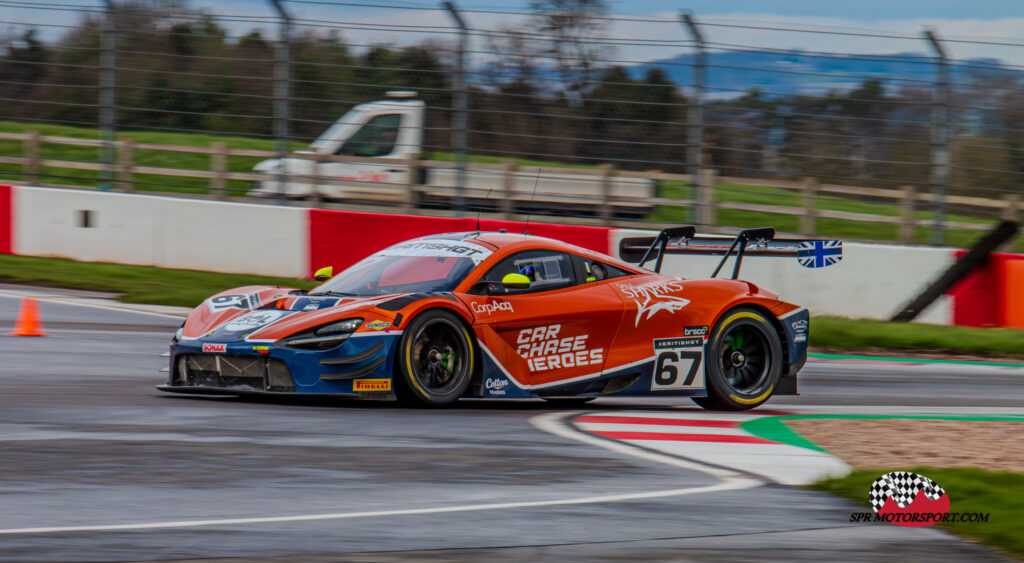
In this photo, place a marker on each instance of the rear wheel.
(744, 361)
(435, 360)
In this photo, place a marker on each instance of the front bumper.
(359, 367)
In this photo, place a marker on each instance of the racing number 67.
(666, 371)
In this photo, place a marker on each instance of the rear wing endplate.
(811, 253)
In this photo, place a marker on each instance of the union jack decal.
(819, 253)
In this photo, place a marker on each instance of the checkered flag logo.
(903, 487)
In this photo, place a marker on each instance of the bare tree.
(569, 27)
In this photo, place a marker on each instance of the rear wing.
(811, 253)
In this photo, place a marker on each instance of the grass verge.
(161, 286)
(135, 284)
(863, 334)
(1000, 493)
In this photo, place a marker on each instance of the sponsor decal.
(366, 176)
(653, 298)
(679, 363)
(261, 349)
(439, 248)
(254, 320)
(800, 328)
(545, 349)
(696, 331)
(491, 307)
(912, 500)
(377, 325)
(819, 253)
(216, 348)
(495, 386)
(371, 385)
(236, 301)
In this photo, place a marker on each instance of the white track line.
(548, 422)
(725, 486)
(69, 301)
(553, 423)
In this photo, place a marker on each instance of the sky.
(998, 21)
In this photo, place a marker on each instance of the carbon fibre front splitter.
(201, 390)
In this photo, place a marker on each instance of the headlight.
(345, 326)
(327, 336)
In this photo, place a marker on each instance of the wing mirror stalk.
(510, 281)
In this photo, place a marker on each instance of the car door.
(557, 331)
(378, 137)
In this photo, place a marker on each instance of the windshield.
(415, 266)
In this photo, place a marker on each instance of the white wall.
(162, 231)
(872, 281)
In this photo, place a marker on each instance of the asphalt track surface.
(96, 465)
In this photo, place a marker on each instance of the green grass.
(136, 284)
(145, 284)
(669, 214)
(825, 227)
(860, 334)
(1000, 493)
(144, 182)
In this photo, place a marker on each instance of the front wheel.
(744, 361)
(435, 360)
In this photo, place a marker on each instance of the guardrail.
(407, 196)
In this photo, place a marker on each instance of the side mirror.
(515, 281)
(324, 274)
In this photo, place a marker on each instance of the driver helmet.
(529, 272)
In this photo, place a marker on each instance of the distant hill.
(736, 72)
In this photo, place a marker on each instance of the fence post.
(940, 161)
(219, 165)
(125, 165)
(809, 192)
(1011, 209)
(33, 167)
(460, 121)
(509, 185)
(908, 201)
(316, 195)
(282, 93)
(411, 196)
(705, 197)
(108, 94)
(605, 208)
(695, 117)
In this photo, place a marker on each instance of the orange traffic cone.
(29, 322)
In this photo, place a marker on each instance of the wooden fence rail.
(600, 198)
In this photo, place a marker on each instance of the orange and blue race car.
(499, 315)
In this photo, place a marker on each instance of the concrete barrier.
(6, 219)
(161, 231)
(872, 281)
(341, 238)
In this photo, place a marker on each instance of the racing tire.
(743, 362)
(435, 360)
